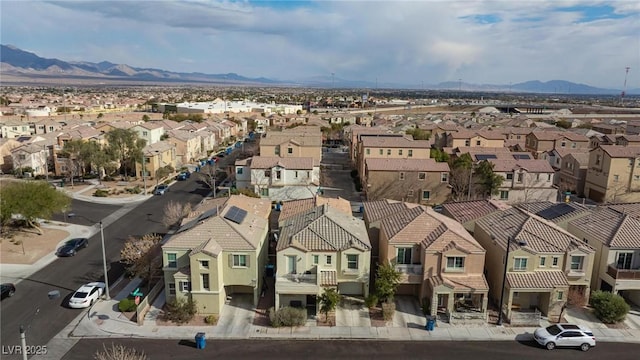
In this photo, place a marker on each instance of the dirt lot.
(34, 245)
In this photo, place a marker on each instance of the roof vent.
(522, 242)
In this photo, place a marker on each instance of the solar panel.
(521, 156)
(207, 214)
(555, 211)
(188, 225)
(235, 214)
(481, 157)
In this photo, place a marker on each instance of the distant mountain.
(20, 64)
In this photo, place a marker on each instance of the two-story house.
(188, 146)
(34, 156)
(524, 180)
(573, 174)
(279, 178)
(545, 265)
(161, 154)
(440, 262)
(390, 147)
(613, 174)
(301, 141)
(151, 131)
(471, 138)
(14, 129)
(422, 181)
(615, 235)
(219, 252)
(537, 142)
(320, 248)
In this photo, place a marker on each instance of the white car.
(565, 335)
(86, 295)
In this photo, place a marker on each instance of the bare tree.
(211, 176)
(119, 352)
(142, 256)
(174, 212)
(459, 181)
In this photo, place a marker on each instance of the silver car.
(565, 335)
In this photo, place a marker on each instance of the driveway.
(236, 317)
(408, 313)
(335, 176)
(352, 312)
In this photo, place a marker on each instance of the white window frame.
(206, 282)
(422, 176)
(555, 261)
(543, 261)
(444, 177)
(329, 260)
(401, 176)
(428, 197)
(237, 263)
(455, 264)
(185, 286)
(579, 266)
(404, 250)
(204, 264)
(315, 259)
(352, 263)
(504, 195)
(172, 288)
(175, 261)
(518, 263)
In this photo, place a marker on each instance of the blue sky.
(404, 42)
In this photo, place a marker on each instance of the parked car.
(71, 247)
(183, 175)
(565, 335)
(161, 189)
(86, 295)
(8, 290)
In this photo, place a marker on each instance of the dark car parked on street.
(8, 290)
(71, 247)
(183, 175)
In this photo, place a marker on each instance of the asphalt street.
(44, 318)
(348, 349)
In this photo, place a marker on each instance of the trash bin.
(200, 340)
(431, 323)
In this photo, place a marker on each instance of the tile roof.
(426, 165)
(467, 134)
(294, 163)
(464, 211)
(543, 280)
(581, 157)
(532, 165)
(380, 209)
(301, 139)
(612, 227)
(460, 283)
(328, 278)
(323, 228)
(529, 232)
(394, 142)
(294, 207)
(555, 212)
(616, 151)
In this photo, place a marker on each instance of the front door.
(291, 264)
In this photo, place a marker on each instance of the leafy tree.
(460, 176)
(142, 256)
(439, 155)
(125, 146)
(93, 153)
(72, 149)
(489, 181)
(564, 124)
(387, 280)
(608, 307)
(31, 200)
(145, 117)
(418, 134)
(100, 115)
(328, 301)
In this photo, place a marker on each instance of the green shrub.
(127, 305)
(211, 319)
(426, 306)
(608, 307)
(101, 193)
(371, 301)
(134, 190)
(181, 310)
(287, 316)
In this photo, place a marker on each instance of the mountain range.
(18, 65)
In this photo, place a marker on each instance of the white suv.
(565, 335)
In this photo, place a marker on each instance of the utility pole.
(624, 88)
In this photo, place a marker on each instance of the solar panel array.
(482, 157)
(235, 214)
(522, 156)
(555, 211)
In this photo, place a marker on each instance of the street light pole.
(23, 343)
(504, 279)
(104, 264)
(144, 178)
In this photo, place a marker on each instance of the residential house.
(422, 181)
(613, 174)
(524, 180)
(440, 262)
(218, 253)
(32, 156)
(14, 128)
(299, 142)
(545, 265)
(353, 133)
(294, 207)
(6, 160)
(537, 142)
(318, 249)
(614, 235)
(279, 178)
(471, 138)
(387, 147)
(161, 154)
(573, 174)
(150, 131)
(188, 146)
(467, 212)
(45, 126)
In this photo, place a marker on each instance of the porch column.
(277, 306)
(434, 305)
(485, 302)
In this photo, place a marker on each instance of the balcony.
(623, 274)
(297, 283)
(410, 273)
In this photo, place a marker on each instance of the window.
(467, 143)
(381, 151)
(597, 159)
(504, 195)
(478, 142)
(426, 195)
(289, 150)
(455, 263)
(573, 145)
(278, 175)
(352, 262)
(554, 261)
(368, 151)
(400, 152)
(388, 151)
(205, 282)
(316, 259)
(563, 144)
(560, 295)
(410, 153)
(509, 176)
(422, 176)
(404, 256)
(410, 193)
(185, 286)
(295, 174)
(624, 260)
(577, 263)
(329, 260)
(204, 264)
(543, 260)
(144, 133)
(172, 260)
(277, 150)
(239, 260)
(616, 177)
(520, 177)
(239, 171)
(267, 173)
(548, 177)
(519, 264)
(401, 176)
(172, 289)
(444, 177)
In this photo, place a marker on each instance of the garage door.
(350, 288)
(407, 289)
(597, 196)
